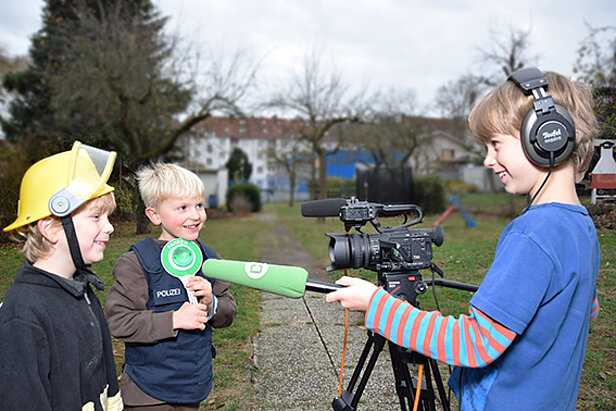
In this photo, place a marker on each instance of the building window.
(259, 170)
(234, 141)
(447, 154)
(209, 148)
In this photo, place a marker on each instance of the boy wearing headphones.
(522, 345)
(55, 346)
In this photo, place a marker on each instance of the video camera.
(393, 252)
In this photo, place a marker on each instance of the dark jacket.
(55, 346)
(174, 370)
(132, 322)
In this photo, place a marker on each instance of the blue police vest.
(175, 370)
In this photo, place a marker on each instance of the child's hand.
(355, 295)
(190, 317)
(202, 289)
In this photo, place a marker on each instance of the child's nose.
(194, 213)
(108, 226)
(489, 161)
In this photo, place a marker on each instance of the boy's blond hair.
(36, 246)
(503, 109)
(167, 180)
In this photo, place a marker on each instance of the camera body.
(396, 250)
(390, 250)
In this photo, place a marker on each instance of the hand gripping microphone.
(284, 280)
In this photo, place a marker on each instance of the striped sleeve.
(594, 310)
(470, 341)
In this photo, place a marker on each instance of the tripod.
(404, 286)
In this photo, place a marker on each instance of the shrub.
(240, 204)
(249, 191)
(603, 215)
(455, 185)
(14, 161)
(429, 194)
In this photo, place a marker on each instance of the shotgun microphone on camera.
(323, 208)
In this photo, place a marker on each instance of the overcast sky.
(412, 44)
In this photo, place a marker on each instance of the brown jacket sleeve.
(129, 319)
(227, 308)
(125, 306)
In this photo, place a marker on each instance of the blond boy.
(168, 340)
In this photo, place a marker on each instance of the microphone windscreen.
(323, 208)
(288, 281)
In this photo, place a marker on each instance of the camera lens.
(339, 252)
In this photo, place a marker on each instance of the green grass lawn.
(465, 256)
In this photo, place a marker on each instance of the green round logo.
(181, 257)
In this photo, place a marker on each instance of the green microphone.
(284, 280)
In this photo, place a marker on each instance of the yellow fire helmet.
(59, 184)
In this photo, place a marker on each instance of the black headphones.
(547, 132)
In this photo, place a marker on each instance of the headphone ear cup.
(553, 133)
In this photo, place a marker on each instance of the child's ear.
(152, 216)
(49, 229)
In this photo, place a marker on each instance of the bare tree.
(454, 101)
(392, 131)
(508, 52)
(596, 65)
(596, 61)
(293, 155)
(319, 101)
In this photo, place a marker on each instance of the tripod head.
(407, 286)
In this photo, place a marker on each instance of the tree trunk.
(143, 223)
(322, 174)
(291, 187)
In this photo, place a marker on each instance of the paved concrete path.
(299, 349)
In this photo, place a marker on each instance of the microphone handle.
(321, 286)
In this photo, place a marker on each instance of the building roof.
(275, 127)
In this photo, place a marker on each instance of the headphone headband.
(529, 79)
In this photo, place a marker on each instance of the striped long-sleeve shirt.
(594, 310)
(470, 341)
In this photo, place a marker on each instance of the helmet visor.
(102, 160)
(88, 172)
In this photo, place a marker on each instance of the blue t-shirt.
(541, 286)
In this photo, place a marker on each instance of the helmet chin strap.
(73, 244)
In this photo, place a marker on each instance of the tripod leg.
(348, 400)
(404, 384)
(439, 384)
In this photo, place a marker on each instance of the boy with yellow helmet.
(55, 346)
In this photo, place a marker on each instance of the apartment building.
(269, 141)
